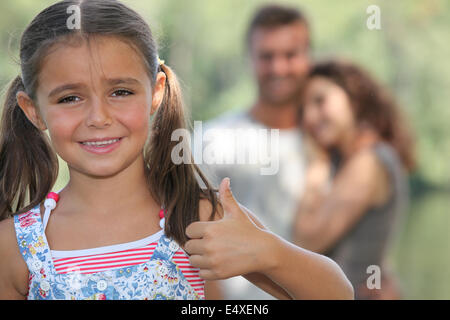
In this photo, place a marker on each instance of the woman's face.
(96, 103)
(327, 114)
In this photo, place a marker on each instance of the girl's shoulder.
(7, 233)
(13, 268)
(365, 158)
(8, 242)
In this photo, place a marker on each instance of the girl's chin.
(100, 172)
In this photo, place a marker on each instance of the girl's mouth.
(101, 146)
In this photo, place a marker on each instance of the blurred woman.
(356, 186)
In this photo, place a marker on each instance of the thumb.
(229, 203)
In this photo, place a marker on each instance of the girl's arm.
(239, 245)
(214, 290)
(13, 269)
(323, 219)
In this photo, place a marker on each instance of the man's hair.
(273, 16)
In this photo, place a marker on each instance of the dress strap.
(49, 204)
(162, 221)
(30, 233)
(165, 249)
(32, 242)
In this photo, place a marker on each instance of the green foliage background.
(204, 42)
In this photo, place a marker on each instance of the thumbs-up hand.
(234, 245)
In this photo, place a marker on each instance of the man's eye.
(292, 54)
(121, 92)
(69, 99)
(266, 56)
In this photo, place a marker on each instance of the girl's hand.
(232, 246)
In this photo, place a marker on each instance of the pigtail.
(28, 166)
(175, 185)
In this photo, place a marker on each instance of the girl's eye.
(319, 100)
(117, 93)
(121, 93)
(69, 99)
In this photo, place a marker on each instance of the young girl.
(130, 224)
(367, 150)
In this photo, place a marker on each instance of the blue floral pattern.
(159, 278)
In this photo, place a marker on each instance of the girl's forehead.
(322, 85)
(96, 57)
(321, 81)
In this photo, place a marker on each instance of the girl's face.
(96, 103)
(327, 114)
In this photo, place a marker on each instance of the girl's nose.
(99, 114)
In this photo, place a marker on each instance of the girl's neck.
(126, 189)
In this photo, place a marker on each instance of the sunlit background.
(204, 42)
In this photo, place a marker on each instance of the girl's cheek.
(61, 128)
(308, 124)
(309, 113)
(60, 137)
(136, 119)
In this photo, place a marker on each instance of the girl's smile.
(101, 146)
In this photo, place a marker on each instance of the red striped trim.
(118, 257)
(100, 262)
(151, 247)
(88, 263)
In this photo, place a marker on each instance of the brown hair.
(273, 16)
(372, 104)
(29, 166)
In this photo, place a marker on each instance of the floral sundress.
(158, 278)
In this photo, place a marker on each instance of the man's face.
(280, 58)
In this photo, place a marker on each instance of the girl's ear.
(30, 110)
(158, 91)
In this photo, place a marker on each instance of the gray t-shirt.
(272, 195)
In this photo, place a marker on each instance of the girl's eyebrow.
(71, 86)
(116, 81)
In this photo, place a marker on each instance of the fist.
(234, 245)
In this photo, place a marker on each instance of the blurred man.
(278, 45)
